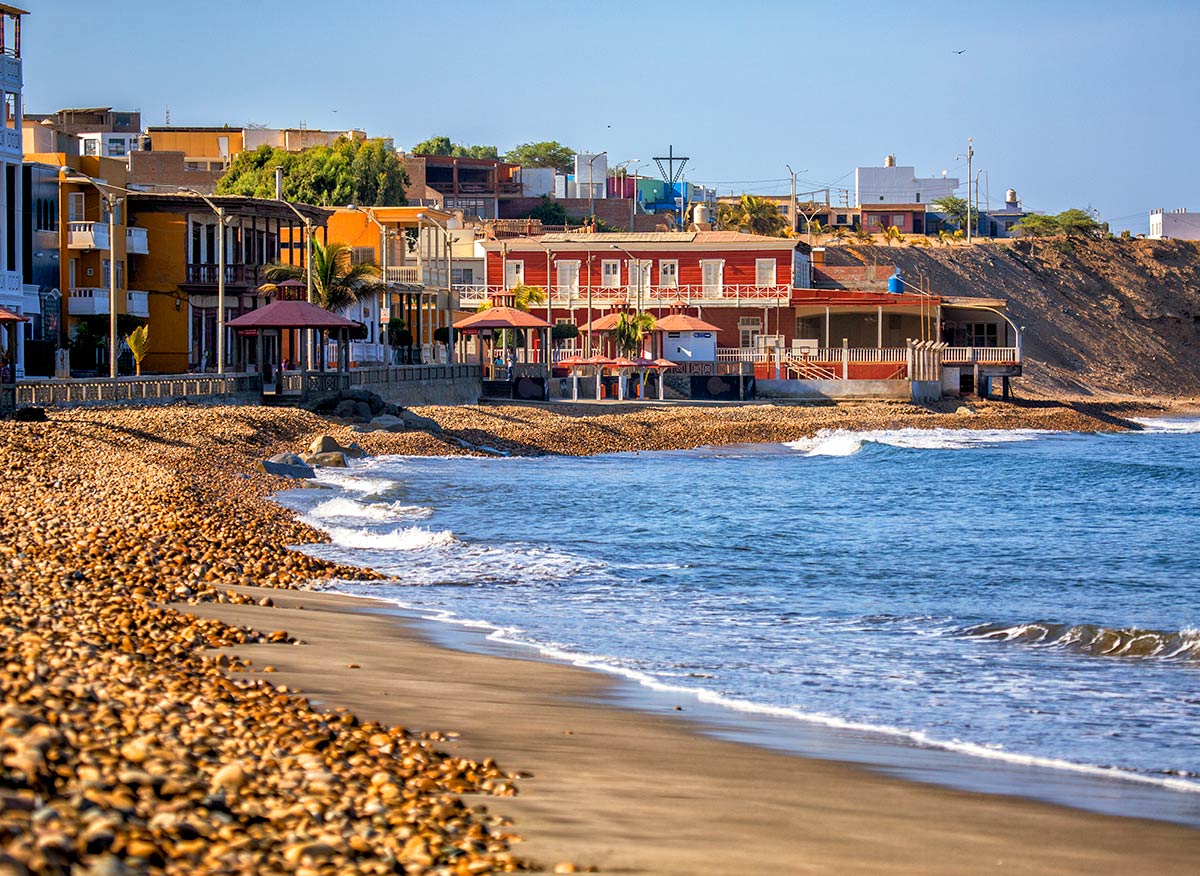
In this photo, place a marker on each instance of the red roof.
(9, 316)
(290, 314)
(681, 322)
(500, 317)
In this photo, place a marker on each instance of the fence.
(981, 355)
(328, 382)
(47, 393)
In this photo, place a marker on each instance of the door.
(75, 206)
(514, 274)
(711, 271)
(568, 279)
(639, 280)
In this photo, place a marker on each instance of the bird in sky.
(959, 52)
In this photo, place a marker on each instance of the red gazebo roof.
(8, 316)
(500, 317)
(570, 362)
(624, 362)
(606, 323)
(290, 314)
(681, 322)
(666, 363)
(597, 360)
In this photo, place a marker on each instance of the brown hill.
(1100, 316)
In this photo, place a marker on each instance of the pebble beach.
(135, 737)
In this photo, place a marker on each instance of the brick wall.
(168, 171)
(614, 211)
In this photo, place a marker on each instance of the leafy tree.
(955, 209)
(550, 153)
(753, 215)
(348, 172)
(336, 281)
(564, 331)
(549, 212)
(816, 229)
(891, 234)
(442, 145)
(1078, 223)
(630, 330)
(398, 334)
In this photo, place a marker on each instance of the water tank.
(1010, 198)
(896, 284)
(702, 215)
(889, 161)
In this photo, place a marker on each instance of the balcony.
(136, 242)
(404, 274)
(206, 274)
(137, 304)
(647, 296)
(87, 235)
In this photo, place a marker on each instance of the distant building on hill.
(892, 184)
(1175, 225)
(101, 131)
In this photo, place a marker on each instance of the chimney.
(818, 256)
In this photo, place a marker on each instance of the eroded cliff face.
(1100, 316)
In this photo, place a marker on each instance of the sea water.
(1015, 596)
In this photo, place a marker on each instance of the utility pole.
(792, 211)
(970, 155)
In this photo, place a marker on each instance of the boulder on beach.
(387, 423)
(354, 451)
(325, 444)
(416, 421)
(298, 469)
(331, 459)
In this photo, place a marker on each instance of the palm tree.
(336, 281)
(753, 215)
(891, 233)
(631, 329)
(523, 297)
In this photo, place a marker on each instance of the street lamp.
(449, 283)
(307, 274)
(113, 200)
(792, 215)
(221, 220)
(591, 187)
(384, 236)
(632, 262)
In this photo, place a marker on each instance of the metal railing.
(573, 295)
(74, 391)
(318, 382)
(207, 273)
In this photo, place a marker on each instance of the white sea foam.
(510, 635)
(342, 507)
(1169, 425)
(348, 480)
(405, 538)
(842, 442)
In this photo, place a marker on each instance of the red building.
(907, 218)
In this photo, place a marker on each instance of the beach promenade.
(173, 704)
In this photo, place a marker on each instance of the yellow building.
(209, 149)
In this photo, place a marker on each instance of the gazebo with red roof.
(9, 323)
(526, 380)
(687, 338)
(267, 322)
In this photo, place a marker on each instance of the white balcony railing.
(981, 355)
(87, 301)
(136, 242)
(404, 274)
(87, 235)
(647, 296)
(136, 303)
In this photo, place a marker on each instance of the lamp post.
(307, 271)
(795, 206)
(221, 220)
(113, 200)
(632, 263)
(591, 186)
(449, 249)
(970, 155)
(383, 251)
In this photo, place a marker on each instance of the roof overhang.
(236, 205)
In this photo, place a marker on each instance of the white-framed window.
(362, 255)
(712, 277)
(568, 278)
(668, 273)
(764, 272)
(898, 220)
(874, 221)
(514, 273)
(639, 275)
(116, 145)
(91, 146)
(749, 328)
(610, 273)
(75, 206)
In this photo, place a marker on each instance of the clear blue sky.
(1072, 103)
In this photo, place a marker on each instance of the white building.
(12, 293)
(1176, 225)
(591, 176)
(891, 184)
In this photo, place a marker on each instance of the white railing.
(361, 353)
(137, 303)
(410, 274)
(741, 354)
(136, 242)
(87, 235)
(87, 302)
(889, 355)
(649, 296)
(984, 355)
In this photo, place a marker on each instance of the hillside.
(1100, 316)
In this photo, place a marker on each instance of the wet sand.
(639, 793)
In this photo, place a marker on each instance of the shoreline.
(111, 512)
(656, 791)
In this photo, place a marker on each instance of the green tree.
(1078, 223)
(442, 145)
(955, 209)
(550, 153)
(891, 234)
(549, 212)
(1038, 225)
(630, 330)
(336, 281)
(753, 215)
(348, 172)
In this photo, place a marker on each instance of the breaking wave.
(1169, 425)
(343, 508)
(405, 538)
(842, 442)
(1099, 641)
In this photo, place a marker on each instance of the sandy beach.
(109, 516)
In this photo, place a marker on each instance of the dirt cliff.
(1100, 316)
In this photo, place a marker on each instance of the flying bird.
(958, 52)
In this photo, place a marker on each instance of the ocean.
(1003, 597)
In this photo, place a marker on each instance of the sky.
(1073, 104)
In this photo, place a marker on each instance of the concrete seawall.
(875, 389)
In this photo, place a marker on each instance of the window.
(840, 219)
(362, 255)
(749, 328)
(764, 272)
(639, 275)
(668, 274)
(898, 220)
(104, 269)
(116, 146)
(514, 273)
(874, 221)
(711, 276)
(195, 165)
(10, 110)
(568, 278)
(983, 334)
(75, 206)
(610, 273)
(216, 165)
(918, 197)
(120, 275)
(462, 276)
(91, 146)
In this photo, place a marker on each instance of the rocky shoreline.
(126, 744)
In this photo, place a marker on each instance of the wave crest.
(1130, 642)
(843, 442)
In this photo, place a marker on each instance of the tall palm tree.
(753, 215)
(631, 329)
(336, 281)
